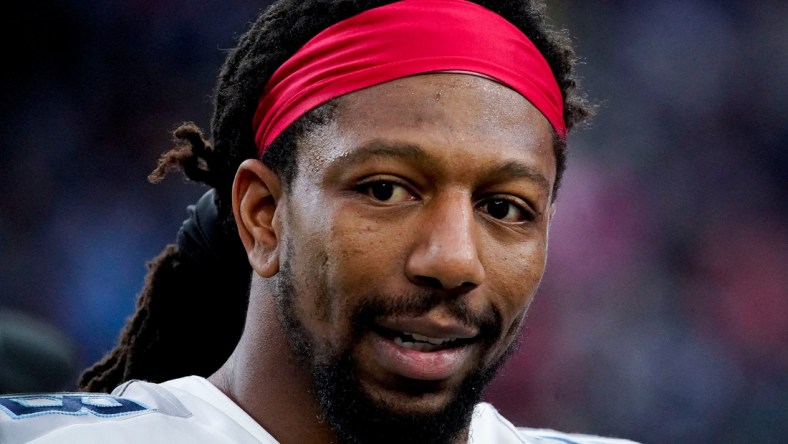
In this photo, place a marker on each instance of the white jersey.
(191, 410)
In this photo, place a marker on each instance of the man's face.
(415, 237)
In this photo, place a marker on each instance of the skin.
(451, 148)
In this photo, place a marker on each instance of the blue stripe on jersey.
(26, 406)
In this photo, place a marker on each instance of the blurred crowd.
(663, 316)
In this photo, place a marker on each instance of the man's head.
(399, 231)
(418, 214)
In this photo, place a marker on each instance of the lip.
(412, 364)
(435, 365)
(432, 326)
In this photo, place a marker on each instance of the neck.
(266, 380)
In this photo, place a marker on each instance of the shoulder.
(135, 412)
(490, 426)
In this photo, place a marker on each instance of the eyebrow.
(383, 148)
(517, 170)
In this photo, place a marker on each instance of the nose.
(446, 255)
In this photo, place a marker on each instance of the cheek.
(517, 279)
(341, 260)
(362, 252)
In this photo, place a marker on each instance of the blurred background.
(663, 316)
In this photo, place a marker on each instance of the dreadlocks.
(190, 313)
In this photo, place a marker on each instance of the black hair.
(190, 313)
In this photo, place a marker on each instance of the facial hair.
(355, 416)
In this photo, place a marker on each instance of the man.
(386, 171)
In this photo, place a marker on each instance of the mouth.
(421, 350)
(422, 343)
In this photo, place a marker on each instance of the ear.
(256, 194)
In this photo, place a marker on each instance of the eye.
(386, 191)
(506, 210)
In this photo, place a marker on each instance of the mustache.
(418, 302)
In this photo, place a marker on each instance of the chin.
(411, 397)
(410, 412)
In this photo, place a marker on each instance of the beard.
(352, 413)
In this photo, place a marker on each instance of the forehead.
(450, 116)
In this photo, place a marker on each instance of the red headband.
(402, 39)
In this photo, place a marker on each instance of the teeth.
(422, 338)
(415, 341)
(418, 346)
